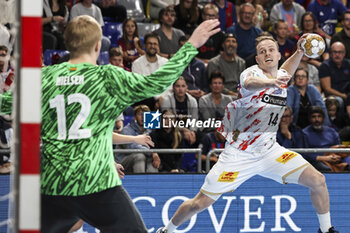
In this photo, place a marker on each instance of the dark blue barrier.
(259, 205)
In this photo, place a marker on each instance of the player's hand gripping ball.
(313, 45)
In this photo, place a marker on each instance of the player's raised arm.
(141, 86)
(292, 63)
(202, 33)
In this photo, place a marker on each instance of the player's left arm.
(292, 63)
(133, 87)
(142, 139)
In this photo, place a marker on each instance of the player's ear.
(279, 56)
(98, 46)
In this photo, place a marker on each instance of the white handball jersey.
(251, 122)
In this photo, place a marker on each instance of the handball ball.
(313, 45)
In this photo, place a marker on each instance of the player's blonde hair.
(263, 37)
(81, 35)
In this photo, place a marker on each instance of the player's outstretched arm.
(202, 33)
(142, 139)
(292, 63)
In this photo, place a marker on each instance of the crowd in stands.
(318, 112)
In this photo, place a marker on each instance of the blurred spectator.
(289, 11)
(168, 137)
(344, 35)
(157, 5)
(213, 104)
(347, 105)
(327, 13)
(54, 20)
(227, 13)
(319, 136)
(119, 124)
(195, 75)
(8, 14)
(6, 135)
(301, 96)
(149, 63)
(210, 141)
(313, 72)
(86, 7)
(335, 75)
(229, 63)
(261, 17)
(6, 70)
(289, 135)
(116, 58)
(213, 46)
(138, 162)
(286, 45)
(4, 59)
(111, 9)
(181, 103)
(187, 16)
(245, 31)
(169, 36)
(130, 43)
(336, 117)
(4, 36)
(309, 24)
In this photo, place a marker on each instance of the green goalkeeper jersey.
(6, 103)
(80, 103)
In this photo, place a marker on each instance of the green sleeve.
(6, 103)
(132, 87)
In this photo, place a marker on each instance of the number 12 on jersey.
(74, 132)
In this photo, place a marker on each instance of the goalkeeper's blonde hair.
(81, 35)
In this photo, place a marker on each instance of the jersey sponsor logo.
(275, 100)
(151, 120)
(286, 157)
(228, 177)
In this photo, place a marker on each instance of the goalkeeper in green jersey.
(80, 102)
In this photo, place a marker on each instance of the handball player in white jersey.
(249, 126)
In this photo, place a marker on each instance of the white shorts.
(235, 166)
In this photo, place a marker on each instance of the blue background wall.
(254, 207)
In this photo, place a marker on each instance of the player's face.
(316, 120)
(301, 79)
(267, 55)
(180, 88)
(116, 61)
(130, 28)
(282, 30)
(216, 85)
(151, 46)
